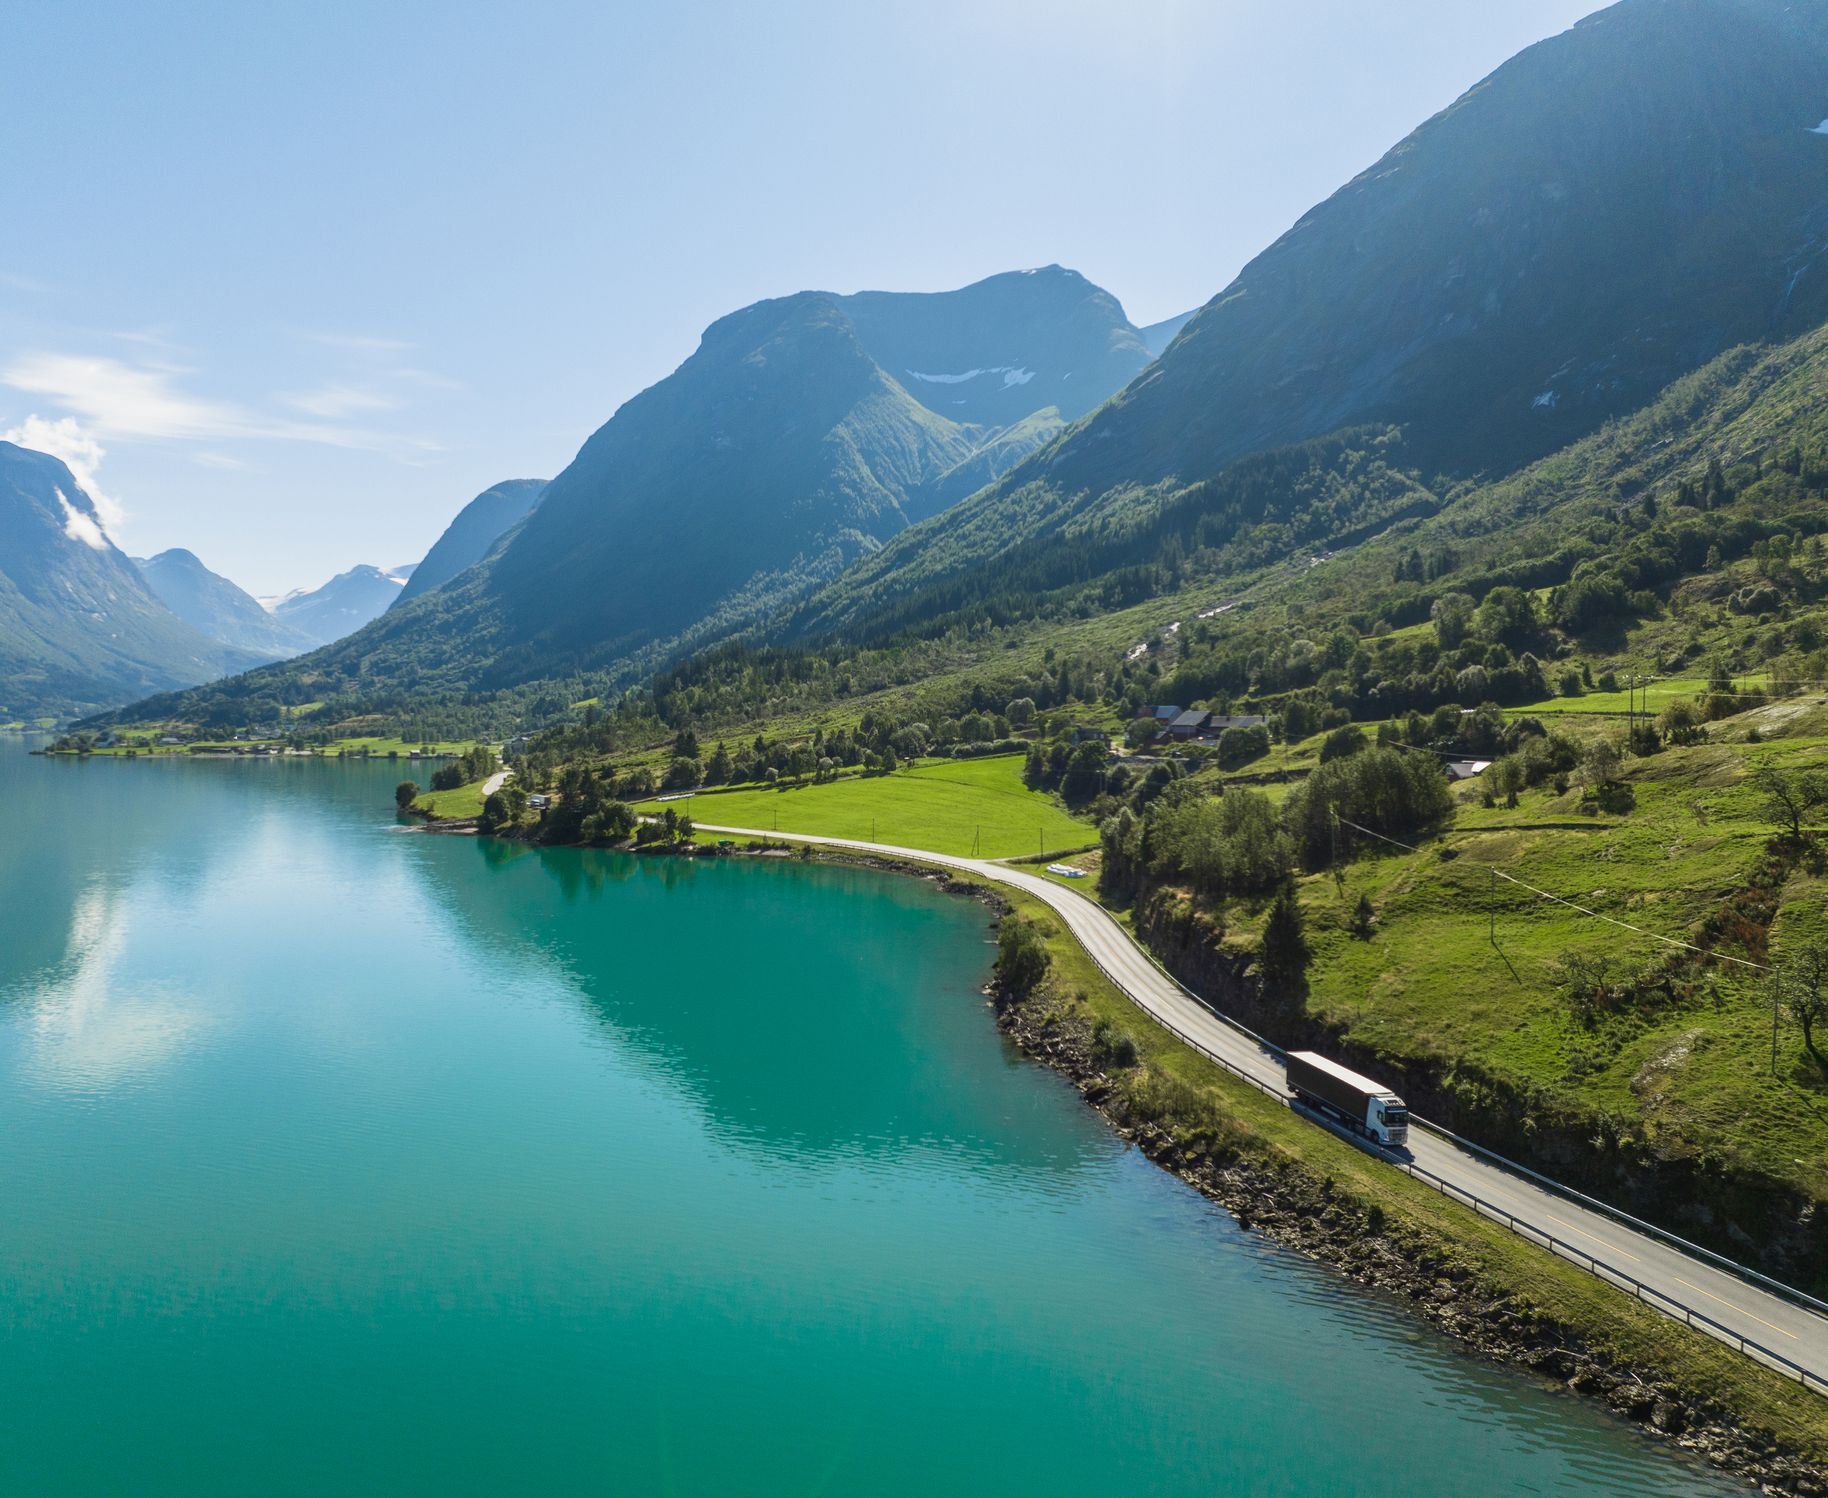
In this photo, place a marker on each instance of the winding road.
(1764, 1323)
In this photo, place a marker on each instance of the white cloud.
(81, 454)
(123, 400)
(79, 526)
(334, 402)
(209, 459)
(120, 400)
(357, 342)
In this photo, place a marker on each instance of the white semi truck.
(1364, 1106)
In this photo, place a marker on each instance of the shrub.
(1239, 746)
(1022, 956)
(1342, 743)
(1681, 723)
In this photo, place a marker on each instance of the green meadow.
(972, 806)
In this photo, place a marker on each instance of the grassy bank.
(1215, 1118)
(459, 803)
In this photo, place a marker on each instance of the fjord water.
(341, 1158)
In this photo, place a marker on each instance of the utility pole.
(1777, 991)
(1491, 929)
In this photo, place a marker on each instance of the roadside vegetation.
(1380, 1224)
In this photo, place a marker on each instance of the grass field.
(1652, 697)
(464, 801)
(953, 806)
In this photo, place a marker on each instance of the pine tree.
(1285, 953)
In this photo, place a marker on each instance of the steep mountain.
(79, 627)
(468, 538)
(995, 352)
(799, 437)
(783, 449)
(1158, 335)
(1610, 209)
(213, 605)
(341, 606)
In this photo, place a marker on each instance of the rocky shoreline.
(1307, 1214)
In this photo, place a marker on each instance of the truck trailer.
(1364, 1106)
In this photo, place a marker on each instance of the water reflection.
(794, 1039)
(91, 1031)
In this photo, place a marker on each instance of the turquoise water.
(337, 1158)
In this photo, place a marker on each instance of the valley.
(1416, 653)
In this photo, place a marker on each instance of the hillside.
(79, 628)
(469, 537)
(1609, 210)
(214, 606)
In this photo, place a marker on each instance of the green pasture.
(968, 806)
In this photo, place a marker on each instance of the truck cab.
(1388, 1122)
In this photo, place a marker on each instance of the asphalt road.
(1742, 1309)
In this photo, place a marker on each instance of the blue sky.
(291, 285)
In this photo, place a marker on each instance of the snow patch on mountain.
(1012, 375)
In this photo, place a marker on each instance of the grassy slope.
(1692, 1078)
(953, 806)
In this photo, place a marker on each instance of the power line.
(1582, 909)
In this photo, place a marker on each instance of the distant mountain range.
(80, 628)
(1158, 335)
(83, 627)
(213, 605)
(341, 606)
